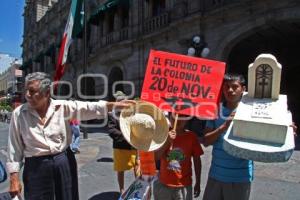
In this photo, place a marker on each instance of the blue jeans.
(75, 137)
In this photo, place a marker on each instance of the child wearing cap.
(125, 156)
(175, 175)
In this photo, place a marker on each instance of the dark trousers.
(51, 177)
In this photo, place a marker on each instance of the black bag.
(3, 174)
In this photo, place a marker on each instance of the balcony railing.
(156, 23)
(114, 37)
(212, 4)
(124, 34)
(109, 38)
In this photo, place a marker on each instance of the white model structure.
(260, 130)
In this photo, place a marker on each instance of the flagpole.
(85, 134)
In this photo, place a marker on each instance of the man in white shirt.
(40, 132)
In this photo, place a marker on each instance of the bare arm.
(15, 184)
(84, 110)
(197, 168)
(120, 104)
(161, 151)
(14, 162)
(211, 135)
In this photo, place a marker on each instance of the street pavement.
(97, 181)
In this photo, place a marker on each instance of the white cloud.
(5, 61)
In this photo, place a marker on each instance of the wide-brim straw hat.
(144, 126)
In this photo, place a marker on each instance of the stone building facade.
(11, 84)
(121, 33)
(4, 77)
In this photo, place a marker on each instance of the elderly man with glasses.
(40, 135)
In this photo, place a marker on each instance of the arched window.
(115, 75)
(124, 16)
(159, 7)
(263, 81)
(87, 87)
(110, 21)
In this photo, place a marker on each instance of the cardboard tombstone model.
(260, 130)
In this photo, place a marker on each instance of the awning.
(108, 5)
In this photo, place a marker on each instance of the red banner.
(183, 84)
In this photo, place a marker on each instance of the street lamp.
(198, 47)
(191, 51)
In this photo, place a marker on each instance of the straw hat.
(144, 126)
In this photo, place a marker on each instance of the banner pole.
(174, 128)
(175, 122)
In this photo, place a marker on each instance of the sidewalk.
(97, 180)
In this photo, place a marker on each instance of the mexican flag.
(73, 28)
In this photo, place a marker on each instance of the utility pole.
(85, 134)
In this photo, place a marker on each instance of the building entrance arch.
(116, 74)
(282, 39)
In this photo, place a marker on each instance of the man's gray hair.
(44, 78)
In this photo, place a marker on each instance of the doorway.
(116, 74)
(281, 39)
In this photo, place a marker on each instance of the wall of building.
(222, 23)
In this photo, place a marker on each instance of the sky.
(5, 61)
(11, 27)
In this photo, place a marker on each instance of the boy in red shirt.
(175, 175)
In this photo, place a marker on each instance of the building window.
(159, 7)
(100, 27)
(110, 21)
(263, 85)
(124, 17)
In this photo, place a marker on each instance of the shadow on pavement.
(105, 159)
(106, 196)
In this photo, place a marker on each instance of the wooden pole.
(174, 128)
(175, 122)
